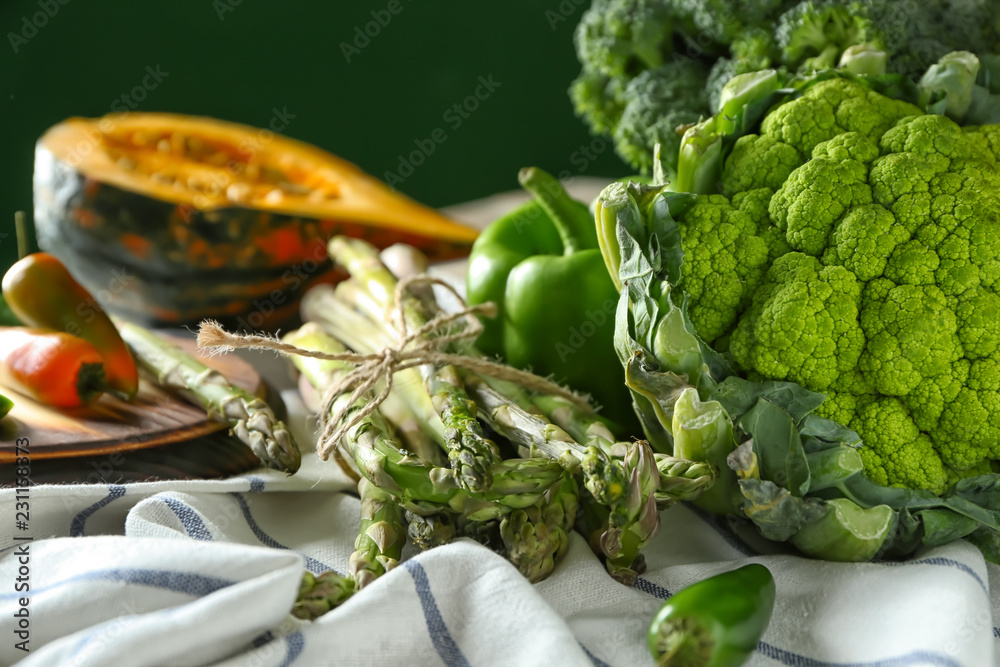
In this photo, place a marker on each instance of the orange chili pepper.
(52, 367)
(42, 293)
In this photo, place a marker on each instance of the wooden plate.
(151, 419)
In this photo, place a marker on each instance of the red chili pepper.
(52, 367)
(42, 293)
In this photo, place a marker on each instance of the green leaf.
(942, 526)
(988, 543)
(663, 228)
(659, 390)
(832, 467)
(827, 431)
(776, 512)
(983, 490)
(907, 533)
(739, 396)
(778, 446)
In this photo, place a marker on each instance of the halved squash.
(206, 218)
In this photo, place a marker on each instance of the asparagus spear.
(681, 479)
(420, 487)
(406, 423)
(430, 531)
(249, 417)
(537, 537)
(318, 595)
(452, 414)
(592, 523)
(470, 453)
(634, 519)
(319, 373)
(321, 305)
(381, 536)
(584, 427)
(623, 477)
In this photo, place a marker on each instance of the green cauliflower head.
(880, 283)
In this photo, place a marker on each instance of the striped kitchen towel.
(205, 573)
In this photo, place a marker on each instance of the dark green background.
(286, 55)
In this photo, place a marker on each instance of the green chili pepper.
(542, 266)
(715, 622)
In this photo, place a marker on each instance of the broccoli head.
(618, 41)
(652, 113)
(622, 38)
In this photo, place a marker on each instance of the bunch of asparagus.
(446, 444)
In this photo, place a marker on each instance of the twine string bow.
(424, 345)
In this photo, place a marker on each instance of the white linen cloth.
(205, 573)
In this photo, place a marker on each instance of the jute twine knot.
(412, 348)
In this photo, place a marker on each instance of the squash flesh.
(170, 219)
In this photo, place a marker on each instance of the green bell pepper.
(715, 622)
(556, 303)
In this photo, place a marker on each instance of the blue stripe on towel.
(312, 564)
(262, 639)
(597, 662)
(76, 527)
(196, 585)
(256, 484)
(948, 562)
(192, 523)
(916, 659)
(647, 586)
(444, 644)
(296, 644)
